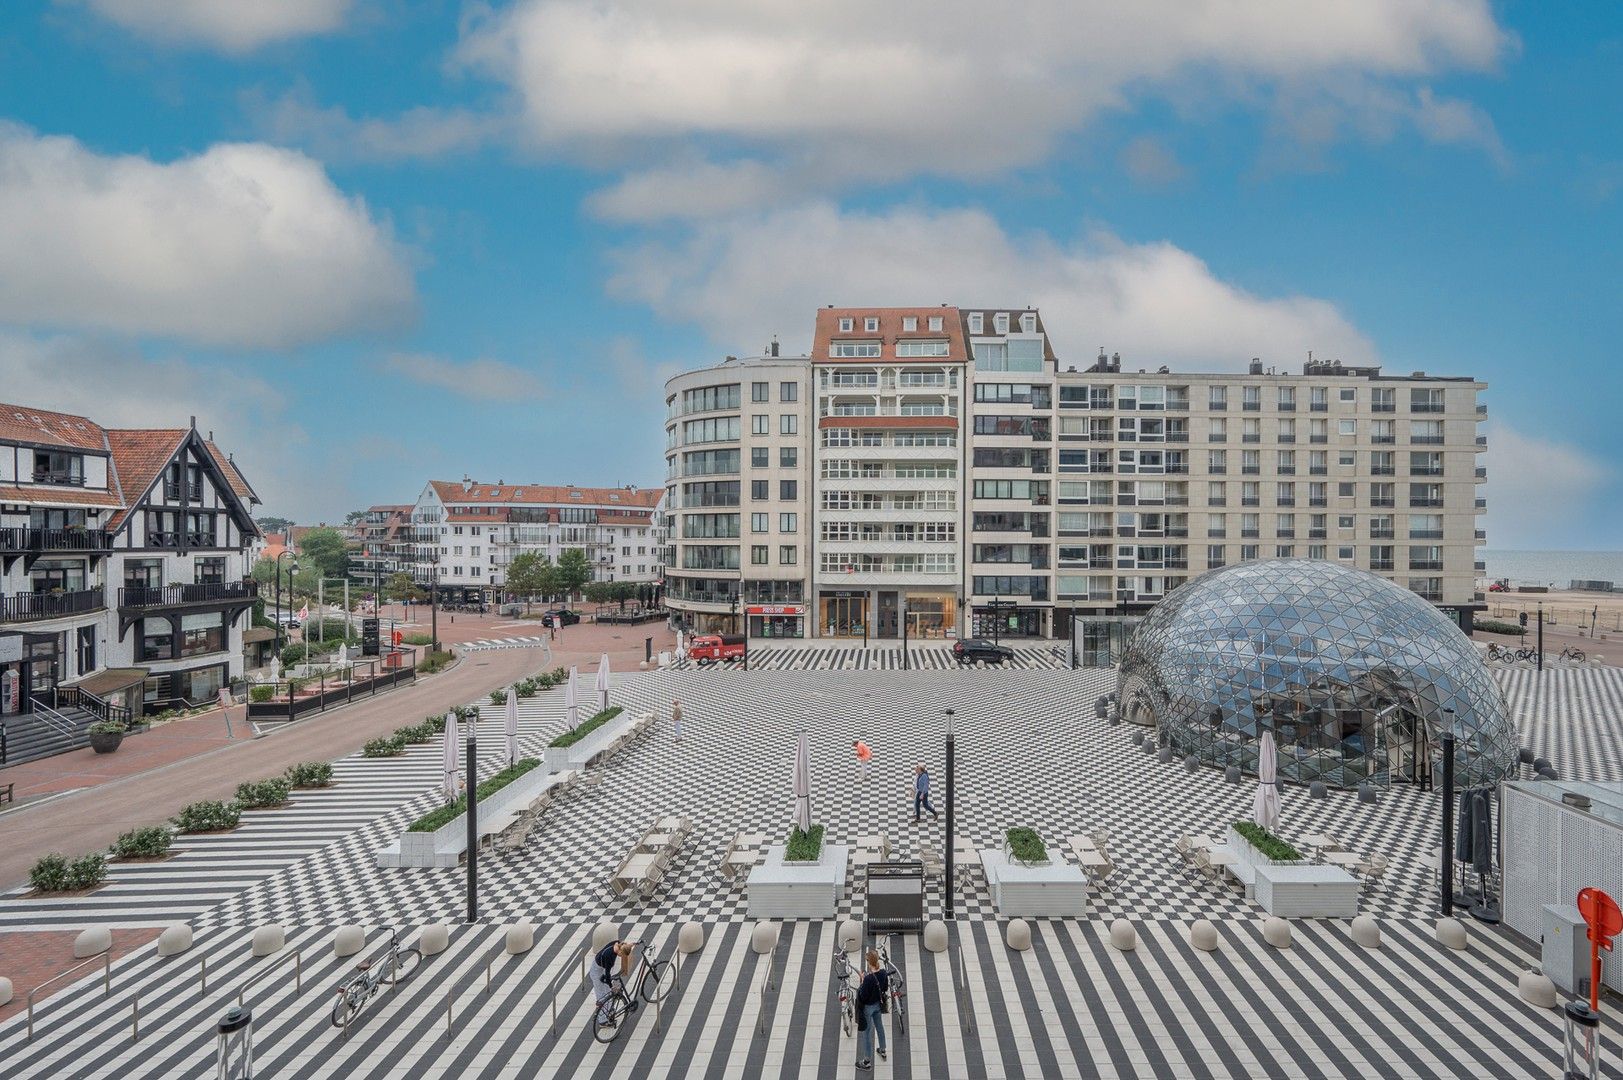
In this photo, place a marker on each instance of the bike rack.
(766, 987)
(298, 974)
(450, 991)
(135, 1001)
(106, 960)
(552, 988)
(961, 985)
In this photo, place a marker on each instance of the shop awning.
(110, 681)
(258, 633)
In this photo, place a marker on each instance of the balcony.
(1319, 406)
(1321, 501)
(1426, 470)
(1425, 534)
(1251, 406)
(59, 478)
(1320, 439)
(1481, 534)
(1386, 440)
(1318, 470)
(1217, 534)
(1426, 564)
(162, 596)
(1217, 406)
(1251, 438)
(1385, 470)
(1481, 472)
(1382, 534)
(1285, 534)
(27, 541)
(1250, 470)
(1287, 470)
(1482, 410)
(1177, 500)
(1426, 502)
(1425, 406)
(1252, 501)
(1316, 534)
(1383, 501)
(1250, 534)
(1480, 567)
(23, 607)
(1381, 564)
(1482, 504)
(1286, 501)
(1384, 406)
(1424, 440)
(1287, 438)
(1287, 406)
(1481, 442)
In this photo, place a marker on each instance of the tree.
(530, 574)
(573, 571)
(264, 572)
(273, 524)
(325, 551)
(399, 586)
(354, 517)
(599, 592)
(622, 591)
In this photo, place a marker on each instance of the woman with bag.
(871, 996)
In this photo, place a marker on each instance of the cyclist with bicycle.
(870, 1006)
(601, 974)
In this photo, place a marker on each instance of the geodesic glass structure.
(1356, 677)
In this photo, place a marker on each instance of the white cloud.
(746, 278)
(866, 91)
(333, 135)
(1312, 116)
(691, 190)
(242, 245)
(233, 26)
(478, 380)
(1150, 161)
(1541, 493)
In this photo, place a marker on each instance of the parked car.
(560, 617)
(709, 648)
(971, 650)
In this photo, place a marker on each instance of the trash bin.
(895, 898)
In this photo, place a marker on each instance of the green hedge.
(498, 697)
(261, 693)
(452, 810)
(258, 794)
(433, 662)
(57, 873)
(310, 774)
(1026, 846)
(1494, 626)
(436, 724)
(106, 727)
(570, 738)
(208, 816)
(384, 747)
(804, 845)
(417, 639)
(1269, 845)
(414, 733)
(148, 842)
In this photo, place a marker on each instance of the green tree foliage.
(270, 524)
(354, 517)
(573, 571)
(399, 586)
(532, 574)
(325, 551)
(599, 592)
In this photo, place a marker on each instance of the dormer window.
(846, 326)
(977, 322)
(910, 323)
(870, 325)
(58, 467)
(1028, 323)
(1000, 322)
(935, 324)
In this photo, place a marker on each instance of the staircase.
(31, 736)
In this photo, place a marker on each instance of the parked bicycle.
(846, 976)
(397, 965)
(1571, 652)
(898, 995)
(652, 980)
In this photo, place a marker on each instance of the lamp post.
(434, 600)
(952, 838)
(473, 822)
(1073, 635)
(294, 569)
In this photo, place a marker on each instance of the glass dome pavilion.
(1356, 677)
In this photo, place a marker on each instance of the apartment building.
(738, 496)
(967, 481)
(383, 543)
(124, 560)
(465, 534)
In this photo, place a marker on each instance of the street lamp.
(294, 569)
(434, 599)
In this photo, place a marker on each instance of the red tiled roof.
(139, 455)
(20, 423)
(233, 475)
(59, 496)
(451, 493)
(889, 332)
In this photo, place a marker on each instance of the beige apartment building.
(967, 482)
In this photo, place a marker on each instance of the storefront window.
(201, 634)
(842, 616)
(932, 616)
(204, 685)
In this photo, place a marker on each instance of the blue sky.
(372, 241)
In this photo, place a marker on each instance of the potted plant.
(804, 847)
(1024, 846)
(105, 735)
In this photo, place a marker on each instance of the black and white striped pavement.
(887, 657)
(487, 644)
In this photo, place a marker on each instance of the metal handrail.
(106, 959)
(298, 974)
(53, 718)
(135, 999)
(767, 987)
(552, 988)
(961, 985)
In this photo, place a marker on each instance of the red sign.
(776, 609)
(1605, 922)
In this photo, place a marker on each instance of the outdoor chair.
(1100, 875)
(1184, 850)
(934, 866)
(1373, 870)
(1100, 838)
(591, 781)
(513, 839)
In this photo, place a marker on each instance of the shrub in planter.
(1026, 846)
(459, 806)
(570, 738)
(414, 733)
(417, 639)
(293, 654)
(804, 845)
(148, 842)
(434, 661)
(295, 687)
(385, 747)
(465, 713)
(1493, 626)
(257, 794)
(87, 871)
(105, 735)
(436, 724)
(208, 816)
(310, 774)
(498, 697)
(1266, 843)
(261, 693)
(50, 873)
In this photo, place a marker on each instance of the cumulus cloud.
(865, 91)
(691, 190)
(233, 26)
(477, 380)
(1541, 492)
(333, 135)
(242, 245)
(745, 278)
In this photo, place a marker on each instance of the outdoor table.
(1087, 857)
(1220, 855)
(655, 840)
(1084, 842)
(740, 859)
(635, 867)
(1343, 858)
(1206, 842)
(751, 839)
(1318, 842)
(673, 823)
(497, 824)
(878, 844)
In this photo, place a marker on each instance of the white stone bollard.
(434, 938)
(935, 935)
(176, 938)
(520, 938)
(850, 936)
(1203, 935)
(1366, 932)
(603, 933)
(5, 991)
(1123, 936)
(1277, 932)
(92, 942)
(269, 939)
(1536, 989)
(1018, 935)
(690, 939)
(764, 937)
(348, 941)
(1451, 933)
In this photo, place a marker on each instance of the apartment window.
(787, 523)
(1214, 556)
(1217, 397)
(1216, 493)
(1251, 398)
(760, 424)
(1347, 427)
(1349, 394)
(759, 523)
(1000, 323)
(1218, 429)
(1248, 552)
(788, 391)
(1344, 521)
(1285, 551)
(788, 424)
(759, 391)
(1347, 459)
(760, 554)
(157, 640)
(788, 555)
(209, 571)
(760, 490)
(935, 323)
(1217, 461)
(1345, 490)
(976, 322)
(910, 323)
(760, 457)
(788, 490)
(1287, 430)
(845, 326)
(1317, 551)
(849, 349)
(1344, 553)
(788, 456)
(1426, 401)
(1287, 398)
(1318, 398)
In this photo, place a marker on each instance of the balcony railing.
(1425, 534)
(1423, 501)
(146, 596)
(61, 479)
(1384, 406)
(1425, 406)
(38, 540)
(1425, 564)
(21, 607)
(1425, 440)
(1381, 564)
(1482, 410)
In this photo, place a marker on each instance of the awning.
(258, 633)
(110, 681)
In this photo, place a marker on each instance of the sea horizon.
(1552, 567)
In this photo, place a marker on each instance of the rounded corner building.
(1356, 677)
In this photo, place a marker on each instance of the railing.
(135, 999)
(552, 990)
(52, 718)
(30, 539)
(141, 596)
(79, 698)
(298, 974)
(960, 985)
(60, 479)
(767, 987)
(50, 605)
(106, 959)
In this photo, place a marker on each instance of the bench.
(8, 793)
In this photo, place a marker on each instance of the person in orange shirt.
(864, 757)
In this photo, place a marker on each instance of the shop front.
(1101, 639)
(842, 613)
(777, 620)
(932, 615)
(1007, 619)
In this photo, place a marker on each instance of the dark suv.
(969, 650)
(560, 617)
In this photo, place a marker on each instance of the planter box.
(1008, 856)
(1307, 891)
(1251, 856)
(1034, 891)
(779, 890)
(105, 744)
(559, 758)
(446, 845)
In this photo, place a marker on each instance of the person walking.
(676, 719)
(864, 758)
(870, 1010)
(921, 794)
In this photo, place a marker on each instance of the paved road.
(92, 819)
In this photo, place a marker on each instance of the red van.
(708, 648)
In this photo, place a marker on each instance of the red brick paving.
(29, 958)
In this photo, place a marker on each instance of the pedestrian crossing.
(491, 644)
(1053, 657)
(1030, 750)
